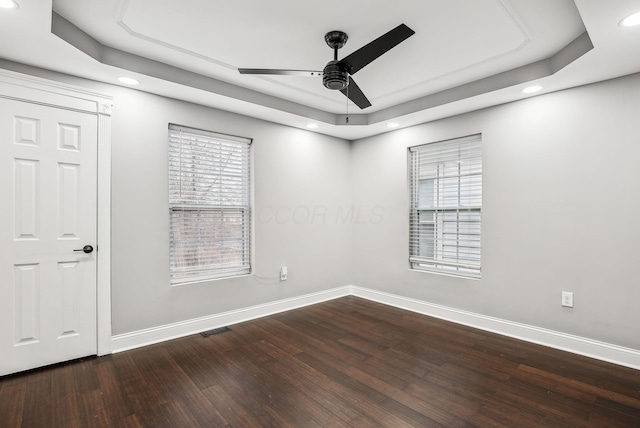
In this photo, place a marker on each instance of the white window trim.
(436, 264)
(195, 205)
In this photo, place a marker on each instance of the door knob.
(86, 249)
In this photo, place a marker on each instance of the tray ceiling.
(465, 54)
(456, 41)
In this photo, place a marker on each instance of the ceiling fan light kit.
(631, 20)
(336, 75)
(8, 4)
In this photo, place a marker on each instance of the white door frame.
(22, 87)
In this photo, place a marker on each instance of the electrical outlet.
(283, 273)
(567, 299)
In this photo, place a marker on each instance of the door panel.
(48, 180)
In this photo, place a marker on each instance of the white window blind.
(446, 206)
(209, 203)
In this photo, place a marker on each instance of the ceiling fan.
(337, 74)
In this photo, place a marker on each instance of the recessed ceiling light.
(532, 89)
(128, 80)
(392, 125)
(312, 126)
(631, 20)
(8, 4)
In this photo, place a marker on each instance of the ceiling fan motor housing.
(335, 76)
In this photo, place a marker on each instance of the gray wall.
(301, 180)
(561, 204)
(302, 202)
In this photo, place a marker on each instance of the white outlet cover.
(567, 299)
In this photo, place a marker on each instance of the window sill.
(191, 281)
(475, 277)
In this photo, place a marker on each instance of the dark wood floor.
(347, 362)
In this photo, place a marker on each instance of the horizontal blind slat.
(209, 196)
(446, 205)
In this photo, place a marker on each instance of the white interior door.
(48, 180)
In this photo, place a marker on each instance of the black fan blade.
(307, 73)
(373, 50)
(355, 94)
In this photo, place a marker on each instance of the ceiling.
(465, 54)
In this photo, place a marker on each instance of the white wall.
(561, 210)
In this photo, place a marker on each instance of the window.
(209, 205)
(446, 206)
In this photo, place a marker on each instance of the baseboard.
(137, 339)
(578, 345)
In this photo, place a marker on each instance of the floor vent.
(215, 331)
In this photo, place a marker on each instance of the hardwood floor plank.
(408, 416)
(337, 372)
(631, 401)
(602, 417)
(302, 371)
(288, 398)
(477, 362)
(324, 334)
(443, 416)
(114, 396)
(525, 394)
(183, 395)
(632, 411)
(464, 383)
(37, 409)
(271, 418)
(85, 376)
(144, 394)
(511, 415)
(93, 410)
(64, 397)
(342, 363)
(391, 373)
(205, 368)
(12, 398)
(445, 398)
(359, 396)
(233, 413)
(175, 413)
(315, 391)
(410, 363)
(131, 421)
